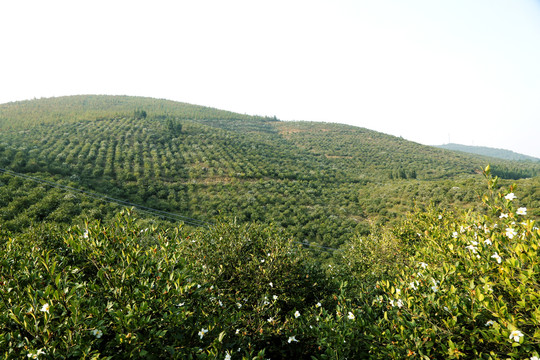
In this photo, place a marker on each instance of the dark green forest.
(127, 216)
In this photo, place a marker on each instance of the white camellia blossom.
(510, 196)
(496, 257)
(202, 332)
(292, 339)
(489, 323)
(228, 356)
(516, 335)
(502, 216)
(351, 316)
(97, 333)
(521, 211)
(45, 308)
(297, 314)
(510, 233)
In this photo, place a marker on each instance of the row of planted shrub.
(442, 285)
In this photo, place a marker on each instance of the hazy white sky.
(432, 71)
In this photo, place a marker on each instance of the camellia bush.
(471, 289)
(94, 292)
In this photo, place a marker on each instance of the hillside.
(488, 151)
(321, 182)
(135, 228)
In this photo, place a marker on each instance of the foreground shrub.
(101, 292)
(472, 289)
(259, 283)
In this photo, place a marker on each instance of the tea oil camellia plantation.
(143, 228)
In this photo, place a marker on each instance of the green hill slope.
(322, 182)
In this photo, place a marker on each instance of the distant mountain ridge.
(488, 151)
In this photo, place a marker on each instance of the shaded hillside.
(321, 182)
(488, 151)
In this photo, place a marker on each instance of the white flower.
(275, 297)
(521, 211)
(239, 305)
(534, 358)
(398, 291)
(510, 233)
(97, 333)
(270, 319)
(262, 260)
(440, 217)
(496, 257)
(297, 314)
(423, 265)
(228, 356)
(510, 196)
(291, 339)
(472, 248)
(516, 335)
(413, 285)
(45, 308)
(202, 332)
(474, 243)
(220, 303)
(237, 331)
(503, 216)
(271, 285)
(318, 304)
(488, 242)
(85, 235)
(35, 356)
(489, 323)
(455, 234)
(435, 288)
(398, 303)
(350, 316)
